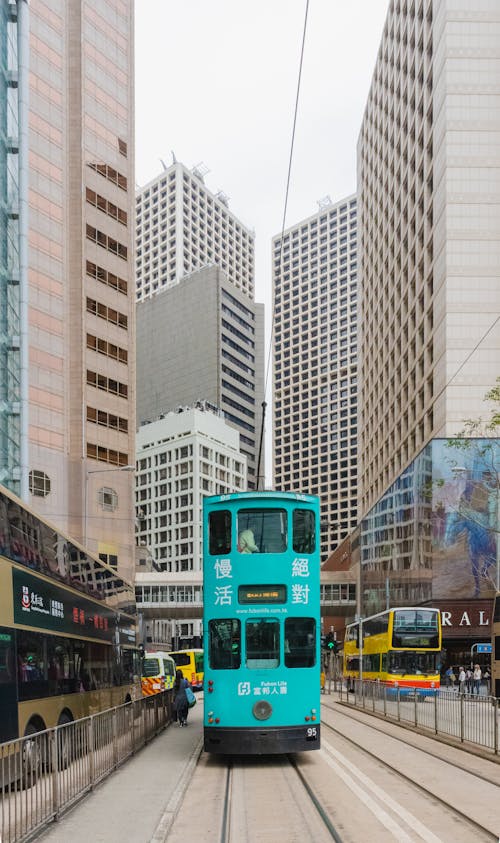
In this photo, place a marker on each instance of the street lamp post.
(98, 471)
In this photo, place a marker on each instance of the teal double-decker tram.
(261, 623)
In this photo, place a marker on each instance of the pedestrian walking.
(448, 674)
(181, 706)
(486, 677)
(461, 681)
(477, 676)
(468, 680)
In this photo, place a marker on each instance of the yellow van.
(158, 673)
(191, 664)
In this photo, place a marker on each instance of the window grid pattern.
(181, 227)
(315, 364)
(395, 167)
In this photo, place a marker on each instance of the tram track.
(230, 831)
(349, 712)
(465, 818)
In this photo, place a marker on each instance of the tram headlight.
(262, 710)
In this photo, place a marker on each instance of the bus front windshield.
(415, 664)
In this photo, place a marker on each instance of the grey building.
(315, 364)
(203, 340)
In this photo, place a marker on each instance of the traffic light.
(331, 644)
(323, 642)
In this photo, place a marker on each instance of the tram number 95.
(311, 733)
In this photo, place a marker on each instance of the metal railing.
(43, 774)
(471, 718)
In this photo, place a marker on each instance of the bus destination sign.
(46, 606)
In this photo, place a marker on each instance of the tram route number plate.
(311, 733)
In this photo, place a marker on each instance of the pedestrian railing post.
(436, 712)
(398, 705)
(415, 708)
(385, 700)
(54, 761)
(495, 724)
(462, 718)
(91, 748)
(115, 738)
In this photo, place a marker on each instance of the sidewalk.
(138, 802)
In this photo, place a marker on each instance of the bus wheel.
(32, 754)
(65, 742)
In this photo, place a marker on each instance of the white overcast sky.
(216, 83)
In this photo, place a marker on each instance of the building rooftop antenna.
(222, 197)
(200, 170)
(324, 202)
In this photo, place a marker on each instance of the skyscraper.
(315, 364)
(14, 76)
(429, 224)
(183, 226)
(203, 340)
(429, 231)
(81, 298)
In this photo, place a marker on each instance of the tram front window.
(300, 642)
(224, 651)
(262, 644)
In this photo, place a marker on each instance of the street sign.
(484, 648)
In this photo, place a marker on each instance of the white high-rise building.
(315, 364)
(182, 226)
(181, 458)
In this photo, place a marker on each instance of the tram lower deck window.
(300, 642)
(262, 644)
(224, 649)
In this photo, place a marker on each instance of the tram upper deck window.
(262, 531)
(219, 532)
(262, 642)
(304, 531)
(224, 647)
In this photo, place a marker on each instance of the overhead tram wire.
(264, 403)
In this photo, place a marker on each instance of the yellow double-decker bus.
(400, 648)
(67, 627)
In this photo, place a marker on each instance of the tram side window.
(262, 531)
(300, 642)
(304, 532)
(224, 649)
(262, 642)
(219, 532)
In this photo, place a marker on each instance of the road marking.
(410, 820)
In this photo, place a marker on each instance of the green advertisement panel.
(46, 606)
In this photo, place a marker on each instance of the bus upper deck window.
(262, 531)
(219, 531)
(304, 532)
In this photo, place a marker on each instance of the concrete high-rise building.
(315, 364)
(183, 226)
(429, 246)
(203, 340)
(81, 320)
(182, 458)
(429, 226)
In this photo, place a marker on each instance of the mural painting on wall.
(465, 514)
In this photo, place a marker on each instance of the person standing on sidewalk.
(461, 681)
(477, 676)
(181, 706)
